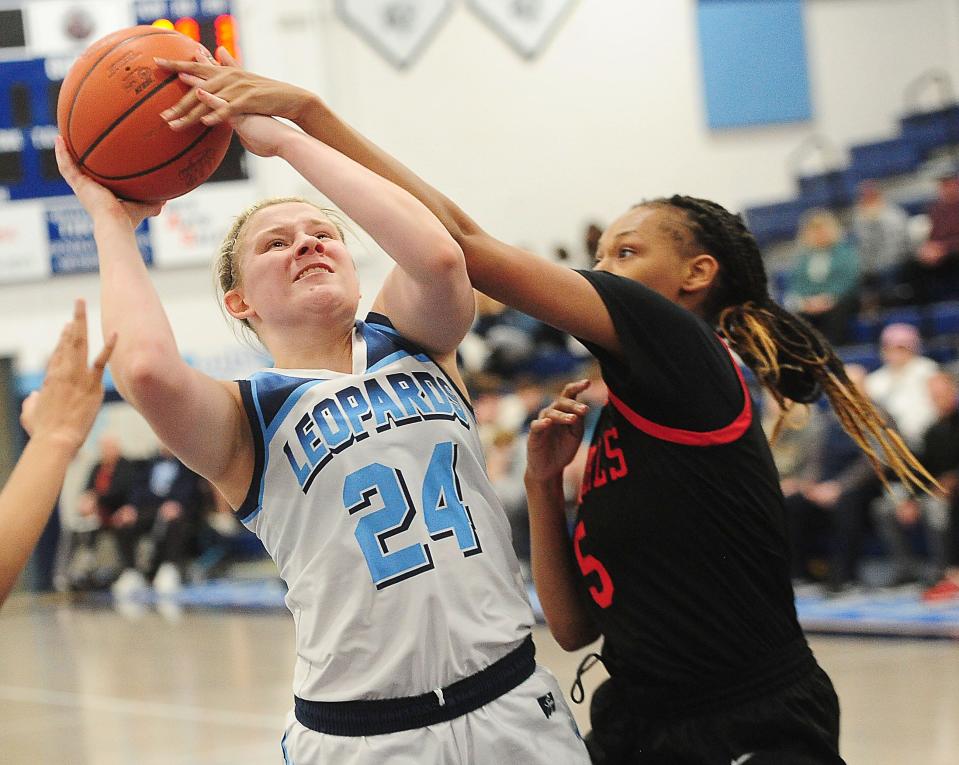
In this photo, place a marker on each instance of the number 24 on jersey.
(444, 514)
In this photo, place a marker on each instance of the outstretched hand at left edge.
(68, 401)
(58, 417)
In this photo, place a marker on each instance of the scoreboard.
(43, 230)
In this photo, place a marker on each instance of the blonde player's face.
(648, 245)
(293, 263)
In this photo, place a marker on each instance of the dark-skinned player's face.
(648, 245)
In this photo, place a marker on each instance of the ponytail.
(791, 359)
(796, 364)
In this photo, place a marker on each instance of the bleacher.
(925, 145)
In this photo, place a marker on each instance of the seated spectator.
(509, 336)
(107, 494)
(155, 530)
(934, 272)
(882, 235)
(832, 499)
(507, 343)
(506, 465)
(901, 384)
(824, 280)
(793, 442)
(220, 537)
(897, 511)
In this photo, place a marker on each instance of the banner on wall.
(23, 243)
(527, 25)
(733, 36)
(398, 29)
(191, 228)
(43, 231)
(70, 243)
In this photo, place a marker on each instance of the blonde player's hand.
(555, 436)
(95, 198)
(64, 408)
(91, 194)
(242, 92)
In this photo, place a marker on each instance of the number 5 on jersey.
(444, 513)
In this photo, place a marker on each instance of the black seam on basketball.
(109, 129)
(149, 170)
(90, 70)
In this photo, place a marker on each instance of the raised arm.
(58, 419)
(554, 438)
(428, 295)
(200, 419)
(550, 292)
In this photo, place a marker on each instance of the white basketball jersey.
(371, 495)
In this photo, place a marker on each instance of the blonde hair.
(227, 265)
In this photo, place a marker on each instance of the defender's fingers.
(59, 355)
(223, 56)
(100, 362)
(573, 389)
(194, 115)
(192, 80)
(27, 410)
(203, 55)
(540, 425)
(211, 100)
(566, 418)
(570, 405)
(79, 327)
(182, 65)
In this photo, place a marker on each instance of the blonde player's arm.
(552, 293)
(58, 418)
(200, 419)
(554, 439)
(427, 296)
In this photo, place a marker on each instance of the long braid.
(790, 358)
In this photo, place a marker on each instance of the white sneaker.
(128, 584)
(167, 580)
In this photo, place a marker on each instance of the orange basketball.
(109, 109)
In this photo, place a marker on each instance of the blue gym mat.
(897, 612)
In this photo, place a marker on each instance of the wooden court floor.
(93, 686)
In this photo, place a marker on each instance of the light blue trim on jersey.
(384, 328)
(266, 454)
(396, 356)
(284, 410)
(287, 760)
(268, 433)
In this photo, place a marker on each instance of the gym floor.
(94, 686)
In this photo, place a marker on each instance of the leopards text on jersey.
(370, 494)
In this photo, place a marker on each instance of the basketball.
(108, 112)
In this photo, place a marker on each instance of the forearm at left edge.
(26, 502)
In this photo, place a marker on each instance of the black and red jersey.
(680, 534)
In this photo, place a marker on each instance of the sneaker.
(946, 589)
(167, 580)
(129, 584)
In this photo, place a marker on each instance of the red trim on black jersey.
(724, 435)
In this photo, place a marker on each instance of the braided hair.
(790, 358)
